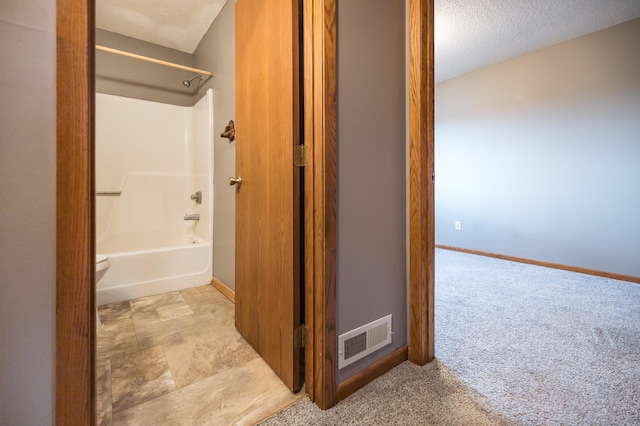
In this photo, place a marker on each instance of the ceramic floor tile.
(205, 353)
(171, 312)
(208, 299)
(144, 310)
(152, 334)
(176, 358)
(117, 311)
(139, 377)
(103, 393)
(225, 313)
(116, 338)
(239, 396)
(202, 298)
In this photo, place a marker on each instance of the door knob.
(235, 181)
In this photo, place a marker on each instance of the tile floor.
(177, 359)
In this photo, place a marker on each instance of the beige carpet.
(408, 395)
(515, 344)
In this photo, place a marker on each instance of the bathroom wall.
(202, 167)
(150, 152)
(538, 156)
(118, 75)
(27, 211)
(140, 80)
(136, 79)
(136, 140)
(371, 254)
(216, 53)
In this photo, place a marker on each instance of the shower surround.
(155, 156)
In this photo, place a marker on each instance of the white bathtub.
(150, 158)
(152, 264)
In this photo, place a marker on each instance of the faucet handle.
(197, 197)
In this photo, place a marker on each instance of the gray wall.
(216, 53)
(371, 281)
(133, 78)
(27, 211)
(539, 156)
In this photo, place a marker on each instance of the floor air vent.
(360, 342)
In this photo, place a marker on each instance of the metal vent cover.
(364, 340)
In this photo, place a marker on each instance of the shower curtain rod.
(148, 59)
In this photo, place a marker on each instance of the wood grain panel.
(325, 198)
(75, 233)
(421, 186)
(268, 202)
(309, 207)
(319, 34)
(578, 269)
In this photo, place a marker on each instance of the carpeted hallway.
(516, 344)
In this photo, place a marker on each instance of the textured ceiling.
(470, 34)
(178, 24)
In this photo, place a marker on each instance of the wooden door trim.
(75, 402)
(421, 182)
(75, 242)
(319, 34)
(321, 181)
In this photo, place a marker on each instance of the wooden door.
(268, 199)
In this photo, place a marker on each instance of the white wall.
(202, 166)
(27, 211)
(145, 150)
(539, 156)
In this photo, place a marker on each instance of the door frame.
(75, 329)
(321, 185)
(75, 324)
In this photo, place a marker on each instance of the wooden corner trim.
(327, 184)
(372, 372)
(320, 202)
(581, 270)
(224, 289)
(75, 328)
(421, 186)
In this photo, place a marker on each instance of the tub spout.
(195, 216)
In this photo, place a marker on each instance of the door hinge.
(300, 337)
(300, 157)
